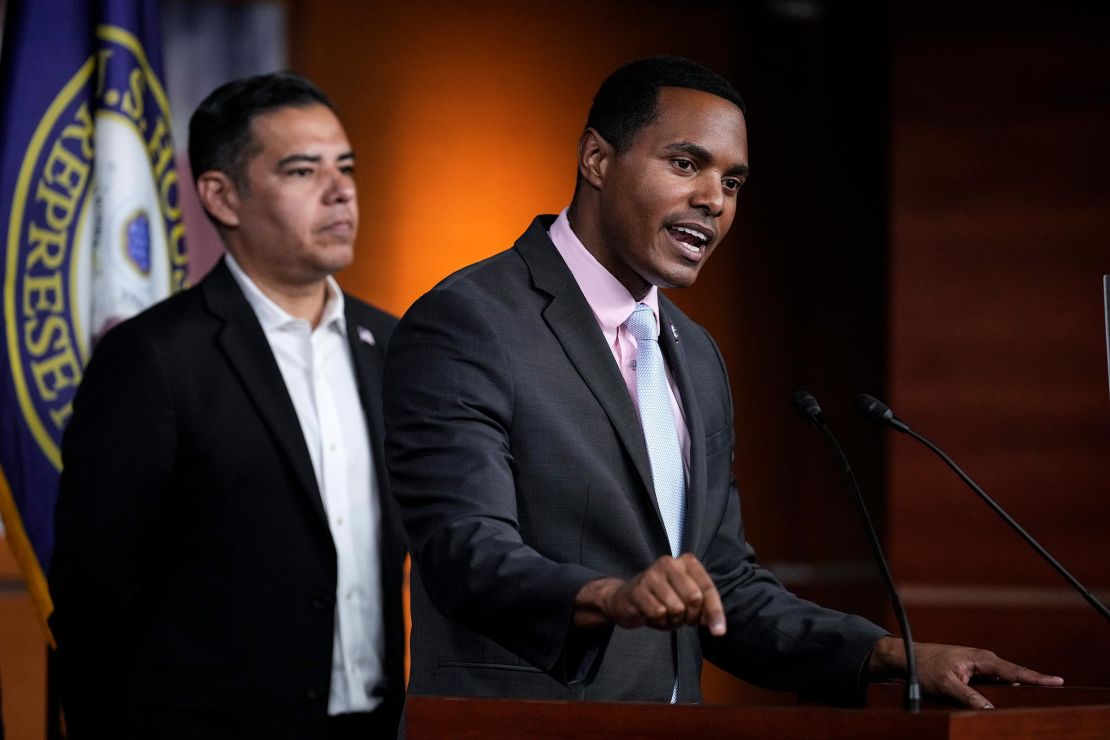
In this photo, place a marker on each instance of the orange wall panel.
(464, 119)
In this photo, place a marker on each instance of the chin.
(337, 258)
(678, 279)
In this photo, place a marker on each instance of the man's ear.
(220, 197)
(594, 155)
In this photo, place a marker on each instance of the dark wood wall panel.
(1001, 211)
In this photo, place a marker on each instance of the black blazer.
(519, 462)
(194, 574)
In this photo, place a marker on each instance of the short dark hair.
(627, 99)
(220, 129)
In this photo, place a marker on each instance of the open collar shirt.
(318, 371)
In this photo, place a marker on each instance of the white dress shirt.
(318, 370)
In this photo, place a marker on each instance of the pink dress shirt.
(612, 304)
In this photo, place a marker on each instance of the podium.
(1022, 712)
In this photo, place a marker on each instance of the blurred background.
(926, 221)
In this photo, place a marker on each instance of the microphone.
(808, 408)
(877, 411)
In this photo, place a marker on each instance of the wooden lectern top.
(1044, 712)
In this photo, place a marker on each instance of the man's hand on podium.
(945, 671)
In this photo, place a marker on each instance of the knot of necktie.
(642, 323)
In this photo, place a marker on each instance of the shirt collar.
(272, 316)
(610, 301)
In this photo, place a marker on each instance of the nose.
(341, 187)
(709, 194)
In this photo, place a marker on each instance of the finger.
(955, 687)
(1027, 676)
(1014, 673)
(712, 610)
(650, 599)
(626, 612)
(972, 698)
(691, 593)
(661, 583)
(669, 584)
(630, 605)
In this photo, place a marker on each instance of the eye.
(299, 172)
(685, 165)
(347, 169)
(733, 184)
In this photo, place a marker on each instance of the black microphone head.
(873, 409)
(807, 407)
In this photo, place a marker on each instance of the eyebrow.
(311, 158)
(701, 153)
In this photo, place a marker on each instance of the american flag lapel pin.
(365, 335)
(674, 332)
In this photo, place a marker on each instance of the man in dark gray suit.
(559, 437)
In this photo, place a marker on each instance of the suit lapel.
(587, 352)
(367, 357)
(244, 344)
(573, 323)
(675, 354)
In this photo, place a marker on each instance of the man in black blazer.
(549, 561)
(229, 559)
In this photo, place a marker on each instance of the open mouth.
(692, 239)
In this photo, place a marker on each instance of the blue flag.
(93, 229)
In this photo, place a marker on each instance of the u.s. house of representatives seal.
(96, 233)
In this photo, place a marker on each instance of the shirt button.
(339, 522)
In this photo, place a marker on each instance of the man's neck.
(305, 301)
(586, 223)
(299, 301)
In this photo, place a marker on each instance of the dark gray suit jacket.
(194, 574)
(518, 459)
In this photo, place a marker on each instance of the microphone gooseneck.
(879, 412)
(808, 408)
